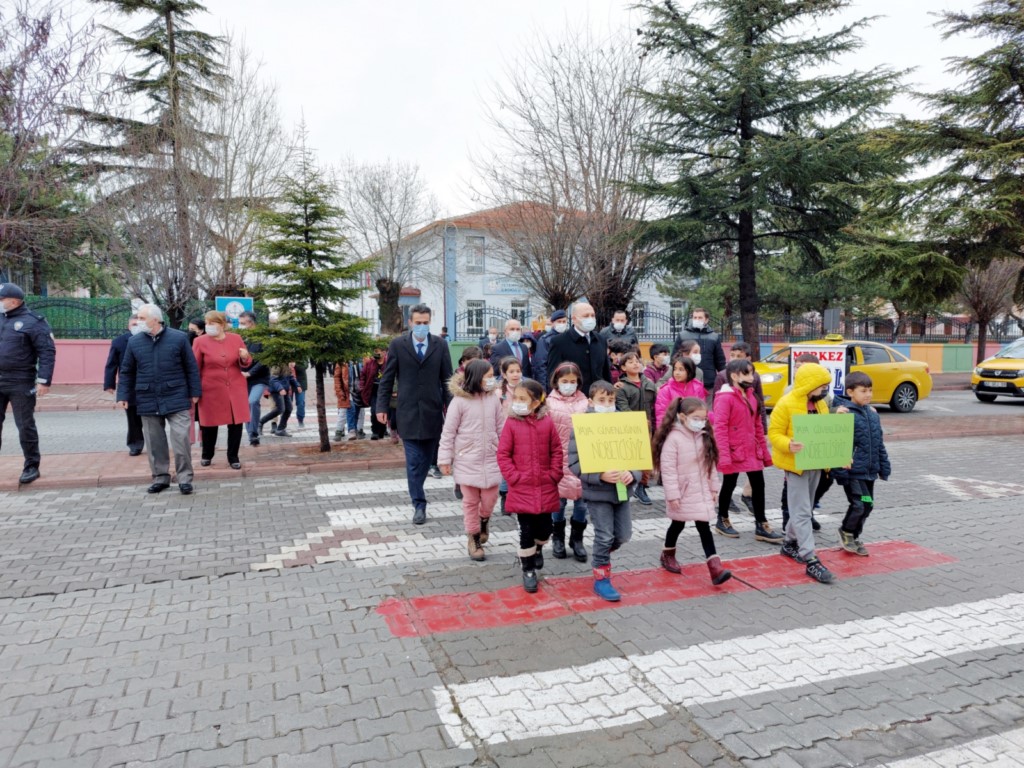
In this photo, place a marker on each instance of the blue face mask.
(420, 331)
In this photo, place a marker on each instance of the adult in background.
(160, 368)
(712, 356)
(136, 441)
(620, 328)
(300, 372)
(491, 337)
(220, 357)
(344, 388)
(559, 324)
(369, 383)
(27, 357)
(582, 345)
(257, 377)
(512, 346)
(422, 365)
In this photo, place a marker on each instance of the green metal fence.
(78, 318)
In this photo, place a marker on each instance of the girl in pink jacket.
(565, 400)
(742, 447)
(684, 382)
(684, 450)
(469, 447)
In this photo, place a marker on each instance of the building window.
(639, 317)
(520, 311)
(475, 255)
(474, 318)
(677, 315)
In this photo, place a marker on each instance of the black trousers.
(208, 436)
(533, 528)
(707, 541)
(22, 397)
(756, 492)
(136, 441)
(857, 493)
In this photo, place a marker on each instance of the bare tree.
(568, 119)
(384, 203)
(987, 292)
(245, 161)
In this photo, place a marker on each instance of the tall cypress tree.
(308, 279)
(152, 158)
(755, 145)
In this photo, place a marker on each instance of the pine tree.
(755, 144)
(308, 279)
(153, 159)
(972, 208)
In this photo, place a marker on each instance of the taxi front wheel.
(985, 398)
(904, 398)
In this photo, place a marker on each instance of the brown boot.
(718, 574)
(474, 549)
(485, 534)
(668, 560)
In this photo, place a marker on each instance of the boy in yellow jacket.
(807, 396)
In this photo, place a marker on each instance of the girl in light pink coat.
(469, 448)
(684, 450)
(565, 400)
(684, 382)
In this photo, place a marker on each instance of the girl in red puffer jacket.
(530, 460)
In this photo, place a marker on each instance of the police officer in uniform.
(27, 356)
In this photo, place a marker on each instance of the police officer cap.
(11, 291)
(558, 314)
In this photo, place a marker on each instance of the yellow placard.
(612, 441)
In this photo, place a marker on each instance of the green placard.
(827, 439)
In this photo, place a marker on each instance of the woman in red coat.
(225, 399)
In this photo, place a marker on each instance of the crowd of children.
(510, 437)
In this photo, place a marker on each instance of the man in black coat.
(160, 368)
(712, 356)
(621, 329)
(582, 345)
(422, 365)
(27, 357)
(511, 346)
(539, 361)
(136, 441)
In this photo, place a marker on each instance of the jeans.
(857, 513)
(418, 454)
(255, 395)
(579, 511)
(300, 406)
(355, 419)
(22, 397)
(800, 490)
(282, 409)
(613, 527)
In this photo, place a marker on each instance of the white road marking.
(626, 690)
(991, 750)
(377, 486)
(968, 489)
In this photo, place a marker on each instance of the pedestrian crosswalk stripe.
(631, 689)
(990, 750)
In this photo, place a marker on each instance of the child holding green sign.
(807, 397)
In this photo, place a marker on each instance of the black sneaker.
(815, 525)
(435, 471)
(458, 492)
(817, 571)
(791, 550)
(724, 527)
(642, 497)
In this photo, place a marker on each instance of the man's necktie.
(419, 350)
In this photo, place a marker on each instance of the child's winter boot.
(576, 540)
(558, 539)
(474, 549)
(485, 534)
(538, 557)
(668, 560)
(529, 569)
(603, 584)
(719, 575)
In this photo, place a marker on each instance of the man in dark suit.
(511, 346)
(421, 363)
(581, 344)
(136, 441)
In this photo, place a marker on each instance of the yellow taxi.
(1001, 374)
(897, 380)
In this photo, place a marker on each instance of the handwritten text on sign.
(827, 440)
(612, 441)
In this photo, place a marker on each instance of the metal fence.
(83, 318)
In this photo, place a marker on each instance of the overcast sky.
(406, 78)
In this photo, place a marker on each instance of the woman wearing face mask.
(221, 357)
(469, 448)
(742, 447)
(684, 450)
(565, 400)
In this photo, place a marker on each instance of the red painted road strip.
(564, 596)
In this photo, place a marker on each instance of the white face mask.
(587, 324)
(492, 337)
(137, 328)
(619, 326)
(604, 408)
(213, 329)
(560, 327)
(567, 389)
(520, 409)
(696, 425)
(698, 324)
(696, 358)
(513, 336)
(490, 384)
(547, 327)
(662, 361)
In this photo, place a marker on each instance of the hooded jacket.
(686, 477)
(870, 459)
(530, 460)
(469, 440)
(671, 389)
(561, 409)
(808, 378)
(739, 432)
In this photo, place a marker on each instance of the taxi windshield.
(1016, 349)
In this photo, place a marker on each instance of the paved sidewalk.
(252, 625)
